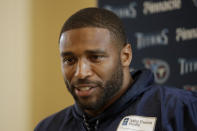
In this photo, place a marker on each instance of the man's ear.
(126, 55)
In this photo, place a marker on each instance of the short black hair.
(97, 17)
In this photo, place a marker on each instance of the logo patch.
(160, 69)
(137, 123)
(125, 121)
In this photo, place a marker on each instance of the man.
(95, 65)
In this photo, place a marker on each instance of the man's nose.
(83, 69)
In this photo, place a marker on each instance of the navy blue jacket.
(175, 109)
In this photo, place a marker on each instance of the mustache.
(86, 81)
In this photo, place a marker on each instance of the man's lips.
(83, 90)
(85, 86)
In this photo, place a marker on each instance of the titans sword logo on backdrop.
(159, 67)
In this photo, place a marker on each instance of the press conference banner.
(163, 36)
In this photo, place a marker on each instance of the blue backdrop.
(163, 36)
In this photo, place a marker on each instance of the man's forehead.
(89, 40)
(89, 36)
(86, 31)
(85, 50)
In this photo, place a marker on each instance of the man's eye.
(69, 60)
(96, 58)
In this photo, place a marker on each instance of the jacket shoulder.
(177, 94)
(177, 107)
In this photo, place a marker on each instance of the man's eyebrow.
(66, 53)
(95, 52)
(86, 52)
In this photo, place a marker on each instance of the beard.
(106, 91)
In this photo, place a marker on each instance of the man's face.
(91, 66)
